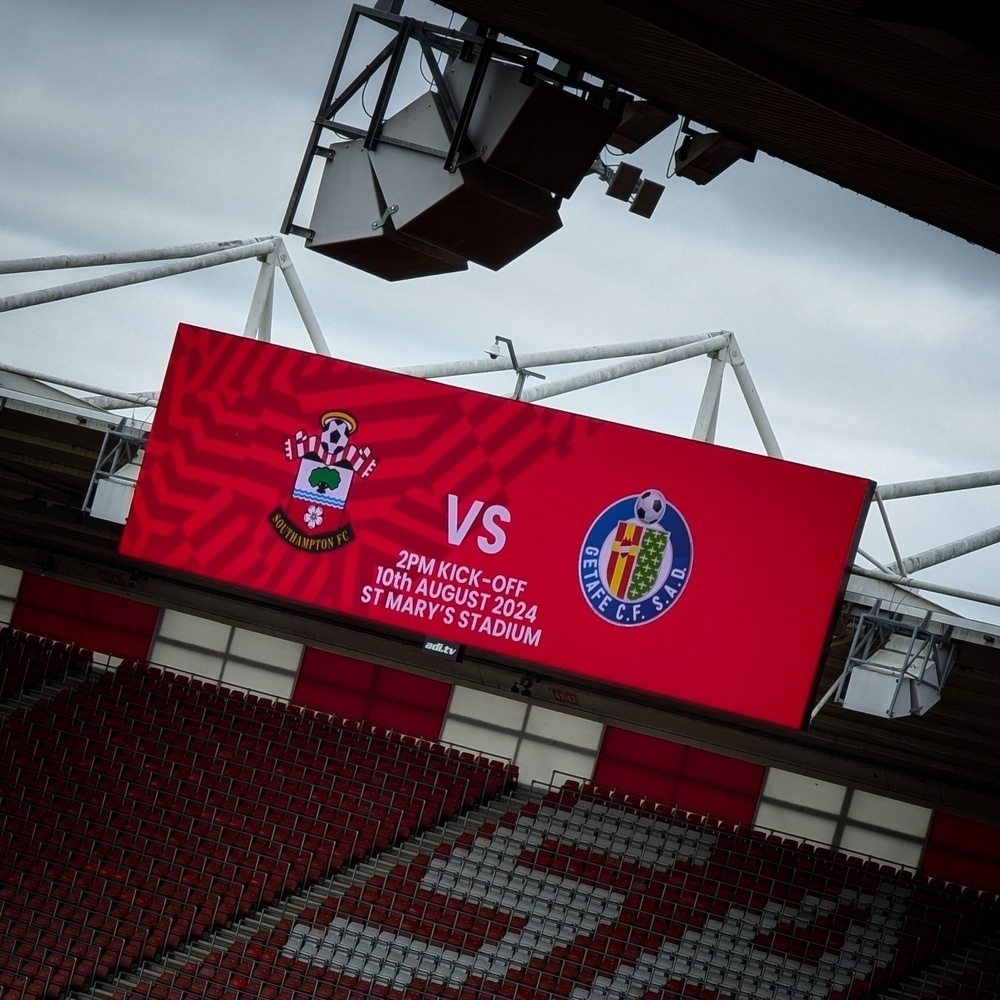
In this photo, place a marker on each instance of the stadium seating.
(27, 659)
(142, 809)
(591, 896)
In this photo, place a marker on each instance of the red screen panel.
(963, 850)
(104, 623)
(381, 695)
(656, 563)
(694, 779)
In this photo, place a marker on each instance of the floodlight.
(646, 198)
(624, 181)
(539, 133)
(640, 122)
(895, 668)
(394, 212)
(704, 155)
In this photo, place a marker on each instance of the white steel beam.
(568, 356)
(117, 403)
(707, 344)
(301, 300)
(708, 413)
(753, 401)
(935, 588)
(55, 263)
(942, 484)
(888, 530)
(261, 295)
(123, 278)
(948, 551)
(127, 398)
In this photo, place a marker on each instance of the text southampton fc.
(636, 559)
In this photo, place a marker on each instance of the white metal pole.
(258, 303)
(116, 403)
(708, 413)
(936, 588)
(948, 551)
(130, 398)
(942, 484)
(301, 300)
(55, 263)
(123, 278)
(568, 356)
(754, 404)
(706, 345)
(872, 560)
(264, 331)
(888, 530)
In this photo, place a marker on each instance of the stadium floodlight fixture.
(702, 156)
(645, 198)
(626, 183)
(623, 181)
(641, 121)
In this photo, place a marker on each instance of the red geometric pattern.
(472, 527)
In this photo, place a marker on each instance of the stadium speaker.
(476, 213)
(352, 223)
(536, 132)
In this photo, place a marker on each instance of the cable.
(677, 138)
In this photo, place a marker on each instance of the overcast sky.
(872, 338)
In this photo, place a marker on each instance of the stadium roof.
(899, 102)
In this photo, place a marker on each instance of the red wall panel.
(963, 850)
(381, 695)
(104, 623)
(694, 779)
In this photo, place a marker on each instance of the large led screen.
(656, 563)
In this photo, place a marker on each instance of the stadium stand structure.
(166, 837)
(144, 808)
(27, 659)
(585, 894)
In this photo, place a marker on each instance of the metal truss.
(893, 653)
(899, 571)
(269, 250)
(122, 446)
(721, 347)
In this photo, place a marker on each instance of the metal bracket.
(121, 447)
(522, 373)
(895, 652)
(384, 217)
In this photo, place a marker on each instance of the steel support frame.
(874, 629)
(120, 446)
(899, 571)
(721, 347)
(269, 250)
(481, 45)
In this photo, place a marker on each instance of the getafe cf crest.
(636, 559)
(314, 519)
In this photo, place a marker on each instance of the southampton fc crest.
(314, 518)
(636, 559)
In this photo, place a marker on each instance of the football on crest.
(650, 506)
